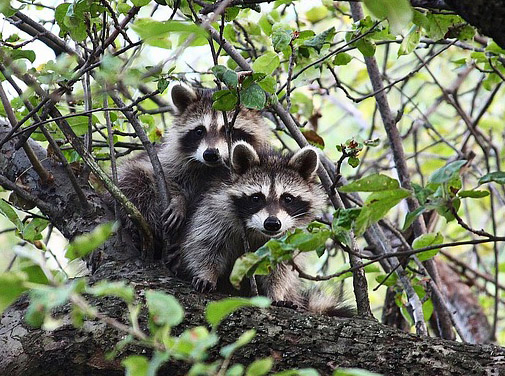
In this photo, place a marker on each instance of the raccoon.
(194, 155)
(268, 193)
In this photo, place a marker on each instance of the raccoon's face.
(273, 194)
(201, 129)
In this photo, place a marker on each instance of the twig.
(44, 175)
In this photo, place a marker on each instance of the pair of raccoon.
(213, 209)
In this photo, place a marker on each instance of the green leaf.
(353, 162)
(16, 54)
(316, 14)
(123, 8)
(136, 365)
(79, 124)
(265, 24)
(6, 9)
(298, 372)
(390, 281)
(12, 287)
(235, 370)
(269, 84)
(308, 241)
(260, 367)
(148, 28)
(140, 3)
(226, 75)
(266, 63)
(446, 173)
(411, 216)
(231, 13)
(427, 309)
(243, 340)
(162, 85)
(473, 194)
(230, 79)
(496, 176)
(365, 46)
(281, 39)
(320, 39)
(342, 58)
(376, 207)
(33, 230)
(81, 245)
(193, 343)
(7, 210)
(217, 311)
(253, 97)
(164, 309)
(200, 369)
(371, 183)
(119, 289)
(354, 372)
(398, 12)
(438, 25)
(427, 240)
(410, 42)
(344, 218)
(44, 299)
(224, 100)
(242, 266)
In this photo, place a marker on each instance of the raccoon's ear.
(182, 97)
(305, 161)
(243, 157)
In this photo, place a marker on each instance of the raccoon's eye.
(256, 197)
(287, 198)
(199, 131)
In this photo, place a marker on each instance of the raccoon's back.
(137, 182)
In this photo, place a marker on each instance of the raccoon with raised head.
(194, 155)
(268, 193)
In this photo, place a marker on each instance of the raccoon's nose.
(272, 224)
(211, 155)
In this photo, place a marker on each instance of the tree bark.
(488, 16)
(64, 210)
(293, 339)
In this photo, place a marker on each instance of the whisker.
(296, 215)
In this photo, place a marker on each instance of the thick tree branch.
(292, 338)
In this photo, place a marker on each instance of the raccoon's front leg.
(203, 285)
(205, 279)
(203, 258)
(174, 215)
(282, 285)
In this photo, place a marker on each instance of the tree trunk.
(488, 16)
(293, 339)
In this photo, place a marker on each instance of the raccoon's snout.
(272, 224)
(211, 155)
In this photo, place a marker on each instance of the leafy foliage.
(306, 57)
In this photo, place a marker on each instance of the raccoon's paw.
(285, 304)
(203, 285)
(174, 215)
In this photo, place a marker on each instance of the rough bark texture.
(488, 16)
(293, 339)
(66, 213)
(462, 301)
